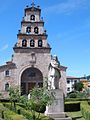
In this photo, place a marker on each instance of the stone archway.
(30, 78)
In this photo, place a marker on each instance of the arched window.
(7, 73)
(39, 43)
(28, 29)
(32, 43)
(24, 43)
(32, 17)
(6, 86)
(36, 30)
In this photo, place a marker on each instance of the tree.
(78, 86)
(39, 99)
(14, 96)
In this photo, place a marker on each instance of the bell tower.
(32, 35)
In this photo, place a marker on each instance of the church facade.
(29, 64)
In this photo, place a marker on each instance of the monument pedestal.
(56, 109)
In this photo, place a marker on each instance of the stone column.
(56, 109)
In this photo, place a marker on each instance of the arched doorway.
(30, 78)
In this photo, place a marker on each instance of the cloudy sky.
(68, 26)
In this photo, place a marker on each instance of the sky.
(68, 27)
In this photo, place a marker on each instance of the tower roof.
(32, 8)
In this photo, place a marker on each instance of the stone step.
(61, 116)
(55, 115)
(67, 118)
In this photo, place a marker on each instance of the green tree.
(39, 99)
(78, 86)
(14, 96)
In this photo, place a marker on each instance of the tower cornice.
(35, 22)
(32, 9)
(32, 35)
(30, 50)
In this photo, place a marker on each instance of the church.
(28, 66)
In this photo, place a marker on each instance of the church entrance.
(30, 78)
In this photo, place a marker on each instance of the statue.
(29, 96)
(54, 73)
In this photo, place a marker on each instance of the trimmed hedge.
(20, 110)
(26, 113)
(72, 106)
(9, 115)
(85, 110)
(76, 99)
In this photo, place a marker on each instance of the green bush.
(73, 95)
(76, 99)
(72, 106)
(20, 109)
(26, 113)
(85, 109)
(9, 115)
(2, 109)
(38, 107)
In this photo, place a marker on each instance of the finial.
(33, 3)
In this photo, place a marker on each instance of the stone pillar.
(56, 109)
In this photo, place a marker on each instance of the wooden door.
(31, 85)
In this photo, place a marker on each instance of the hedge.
(19, 110)
(76, 99)
(72, 106)
(26, 113)
(9, 115)
(85, 110)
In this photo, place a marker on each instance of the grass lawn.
(75, 115)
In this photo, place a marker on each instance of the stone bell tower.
(32, 51)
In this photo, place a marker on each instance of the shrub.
(38, 107)
(76, 99)
(9, 115)
(73, 95)
(85, 109)
(25, 112)
(72, 106)
(22, 110)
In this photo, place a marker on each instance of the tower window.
(39, 43)
(24, 43)
(32, 17)
(6, 86)
(7, 73)
(68, 89)
(68, 81)
(32, 43)
(36, 30)
(28, 29)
